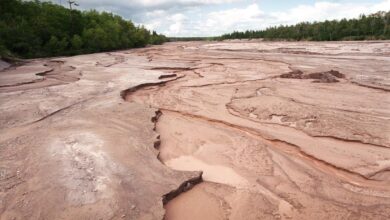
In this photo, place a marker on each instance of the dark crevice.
(61, 110)
(184, 187)
(155, 118)
(167, 76)
(131, 90)
(172, 68)
(23, 83)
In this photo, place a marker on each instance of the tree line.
(174, 39)
(38, 29)
(371, 27)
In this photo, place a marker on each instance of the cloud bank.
(215, 17)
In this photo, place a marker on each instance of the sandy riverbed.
(280, 130)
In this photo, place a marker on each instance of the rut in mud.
(207, 100)
(186, 185)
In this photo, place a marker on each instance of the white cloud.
(148, 3)
(216, 17)
(177, 23)
(321, 11)
(236, 18)
(252, 17)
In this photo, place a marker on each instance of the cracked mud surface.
(197, 130)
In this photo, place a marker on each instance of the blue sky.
(215, 17)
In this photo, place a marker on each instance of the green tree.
(55, 46)
(374, 26)
(76, 42)
(38, 29)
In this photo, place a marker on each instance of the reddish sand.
(279, 130)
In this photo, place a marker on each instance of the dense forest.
(192, 38)
(39, 29)
(371, 27)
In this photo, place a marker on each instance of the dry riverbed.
(199, 130)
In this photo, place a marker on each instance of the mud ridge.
(371, 86)
(332, 166)
(60, 110)
(349, 140)
(118, 59)
(374, 174)
(289, 51)
(171, 68)
(304, 103)
(30, 82)
(368, 177)
(331, 76)
(230, 83)
(23, 83)
(186, 185)
(45, 72)
(233, 112)
(125, 93)
(13, 63)
(198, 74)
(250, 59)
(167, 76)
(157, 141)
(312, 159)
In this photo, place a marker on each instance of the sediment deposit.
(199, 130)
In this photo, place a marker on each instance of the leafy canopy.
(38, 29)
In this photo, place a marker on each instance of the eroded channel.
(207, 130)
(259, 167)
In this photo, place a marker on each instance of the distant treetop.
(372, 27)
(39, 29)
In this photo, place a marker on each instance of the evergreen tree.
(374, 26)
(37, 29)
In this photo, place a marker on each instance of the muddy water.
(271, 147)
(211, 173)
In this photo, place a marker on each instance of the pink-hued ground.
(280, 130)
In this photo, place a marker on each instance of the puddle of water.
(211, 173)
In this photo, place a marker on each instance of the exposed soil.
(321, 77)
(199, 130)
